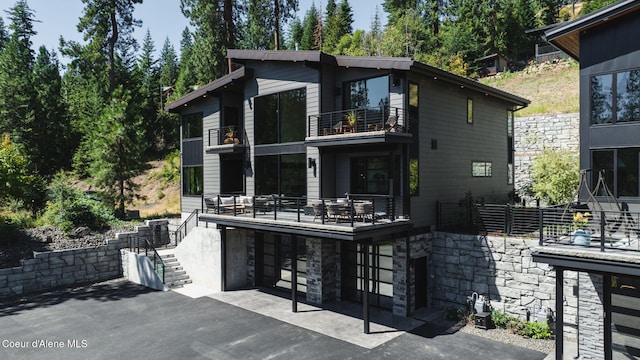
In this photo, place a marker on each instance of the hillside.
(552, 88)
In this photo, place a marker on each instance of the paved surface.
(121, 320)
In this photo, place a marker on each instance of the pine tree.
(331, 27)
(258, 34)
(295, 34)
(115, 152)
(186, 76)
(309, 26)
(148, 90)
(51, 130)
(17, 97)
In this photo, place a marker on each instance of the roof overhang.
(626, 263)
(212, 88)
(566, 36)
(238, 55)
(439, 74)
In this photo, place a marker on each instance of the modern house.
(607, 260)
(314, 167)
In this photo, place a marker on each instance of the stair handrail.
(184, 227)
(148, 246)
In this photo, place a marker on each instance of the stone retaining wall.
(533, 134)
(53, 269)
(501, 268)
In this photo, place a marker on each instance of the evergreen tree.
(549, 11)
(115, 152)
(373, 39)
(590, 6)
(168, 72)
(108, 25)
(310, 24)
(295, 34)
(283, 10)
(3, 34)
(258, 25)
(207, 59)
(149, 91)
(186, 77)
(168, 66)
(51, 131)
(345, 18)
(17, 96)
(331, 27)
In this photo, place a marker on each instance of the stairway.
(175, 275)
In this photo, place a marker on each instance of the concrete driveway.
(121, 320)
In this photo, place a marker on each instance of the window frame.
(470, 110)
(486, 165)
(186, 180)
(279, 117)
(186, 130)
(611, 98)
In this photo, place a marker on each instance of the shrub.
(536, 330)
(69, 208)
(555, 176)
(500, 319)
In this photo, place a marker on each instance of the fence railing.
(351, 209)
(184, 228)
(139, 245)
(487, 218)
(225, 136)
(601, 229)
(385, 118)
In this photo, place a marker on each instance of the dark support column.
(223, 258)
(407, 244)
(365, 288)
(294, 273)
(559, 313)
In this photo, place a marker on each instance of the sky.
(162, 17)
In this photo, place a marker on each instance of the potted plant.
(230, 136)
(352, 119)
(581, 236)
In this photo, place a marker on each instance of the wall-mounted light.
(311, 163)
(395, 80)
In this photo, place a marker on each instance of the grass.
(552, 88)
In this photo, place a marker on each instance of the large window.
(281, 117)
(281, 174)
(192, 126)
(367, 93)
(192, 180)
(414, 149)
(510, 147)
(615, 98)
(370, 176)
(621, 170)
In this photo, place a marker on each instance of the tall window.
(469, 111)
(621, 170)
(281, 117)
(192, 126)
(615, 98)
(510, 147)
(281, 174)
(192, 178)
(414, 149)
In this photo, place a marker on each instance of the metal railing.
(359, 121)
(184, 228)
(487, 218)
(225, 136)
(139, 244)
(349, 210)
(603, 229)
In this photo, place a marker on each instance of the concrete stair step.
(174, 273)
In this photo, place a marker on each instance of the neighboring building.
(608, 306)
(492, 64)
(337, 162)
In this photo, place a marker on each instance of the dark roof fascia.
(461, 81)
(590, 20)
(374, 62)
(237, 55)
(210, 88)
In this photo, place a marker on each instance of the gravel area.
(546, 346)
(23, 243)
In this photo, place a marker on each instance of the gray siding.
(445, 173)
(273, 77)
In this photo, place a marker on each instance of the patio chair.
(391, 124)
(318, 210)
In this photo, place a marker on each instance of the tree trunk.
(276, 16)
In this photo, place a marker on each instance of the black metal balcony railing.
(350, 121)
(487, 218)
(225, 136)
(353, 210)
(601, 229)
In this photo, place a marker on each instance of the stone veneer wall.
(501, 268)
(591, 313)
(53, 269)
(534, 134)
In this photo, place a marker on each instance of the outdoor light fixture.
(311, 163)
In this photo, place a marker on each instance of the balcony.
(359, 126)
(229, 139)
(351, 218)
